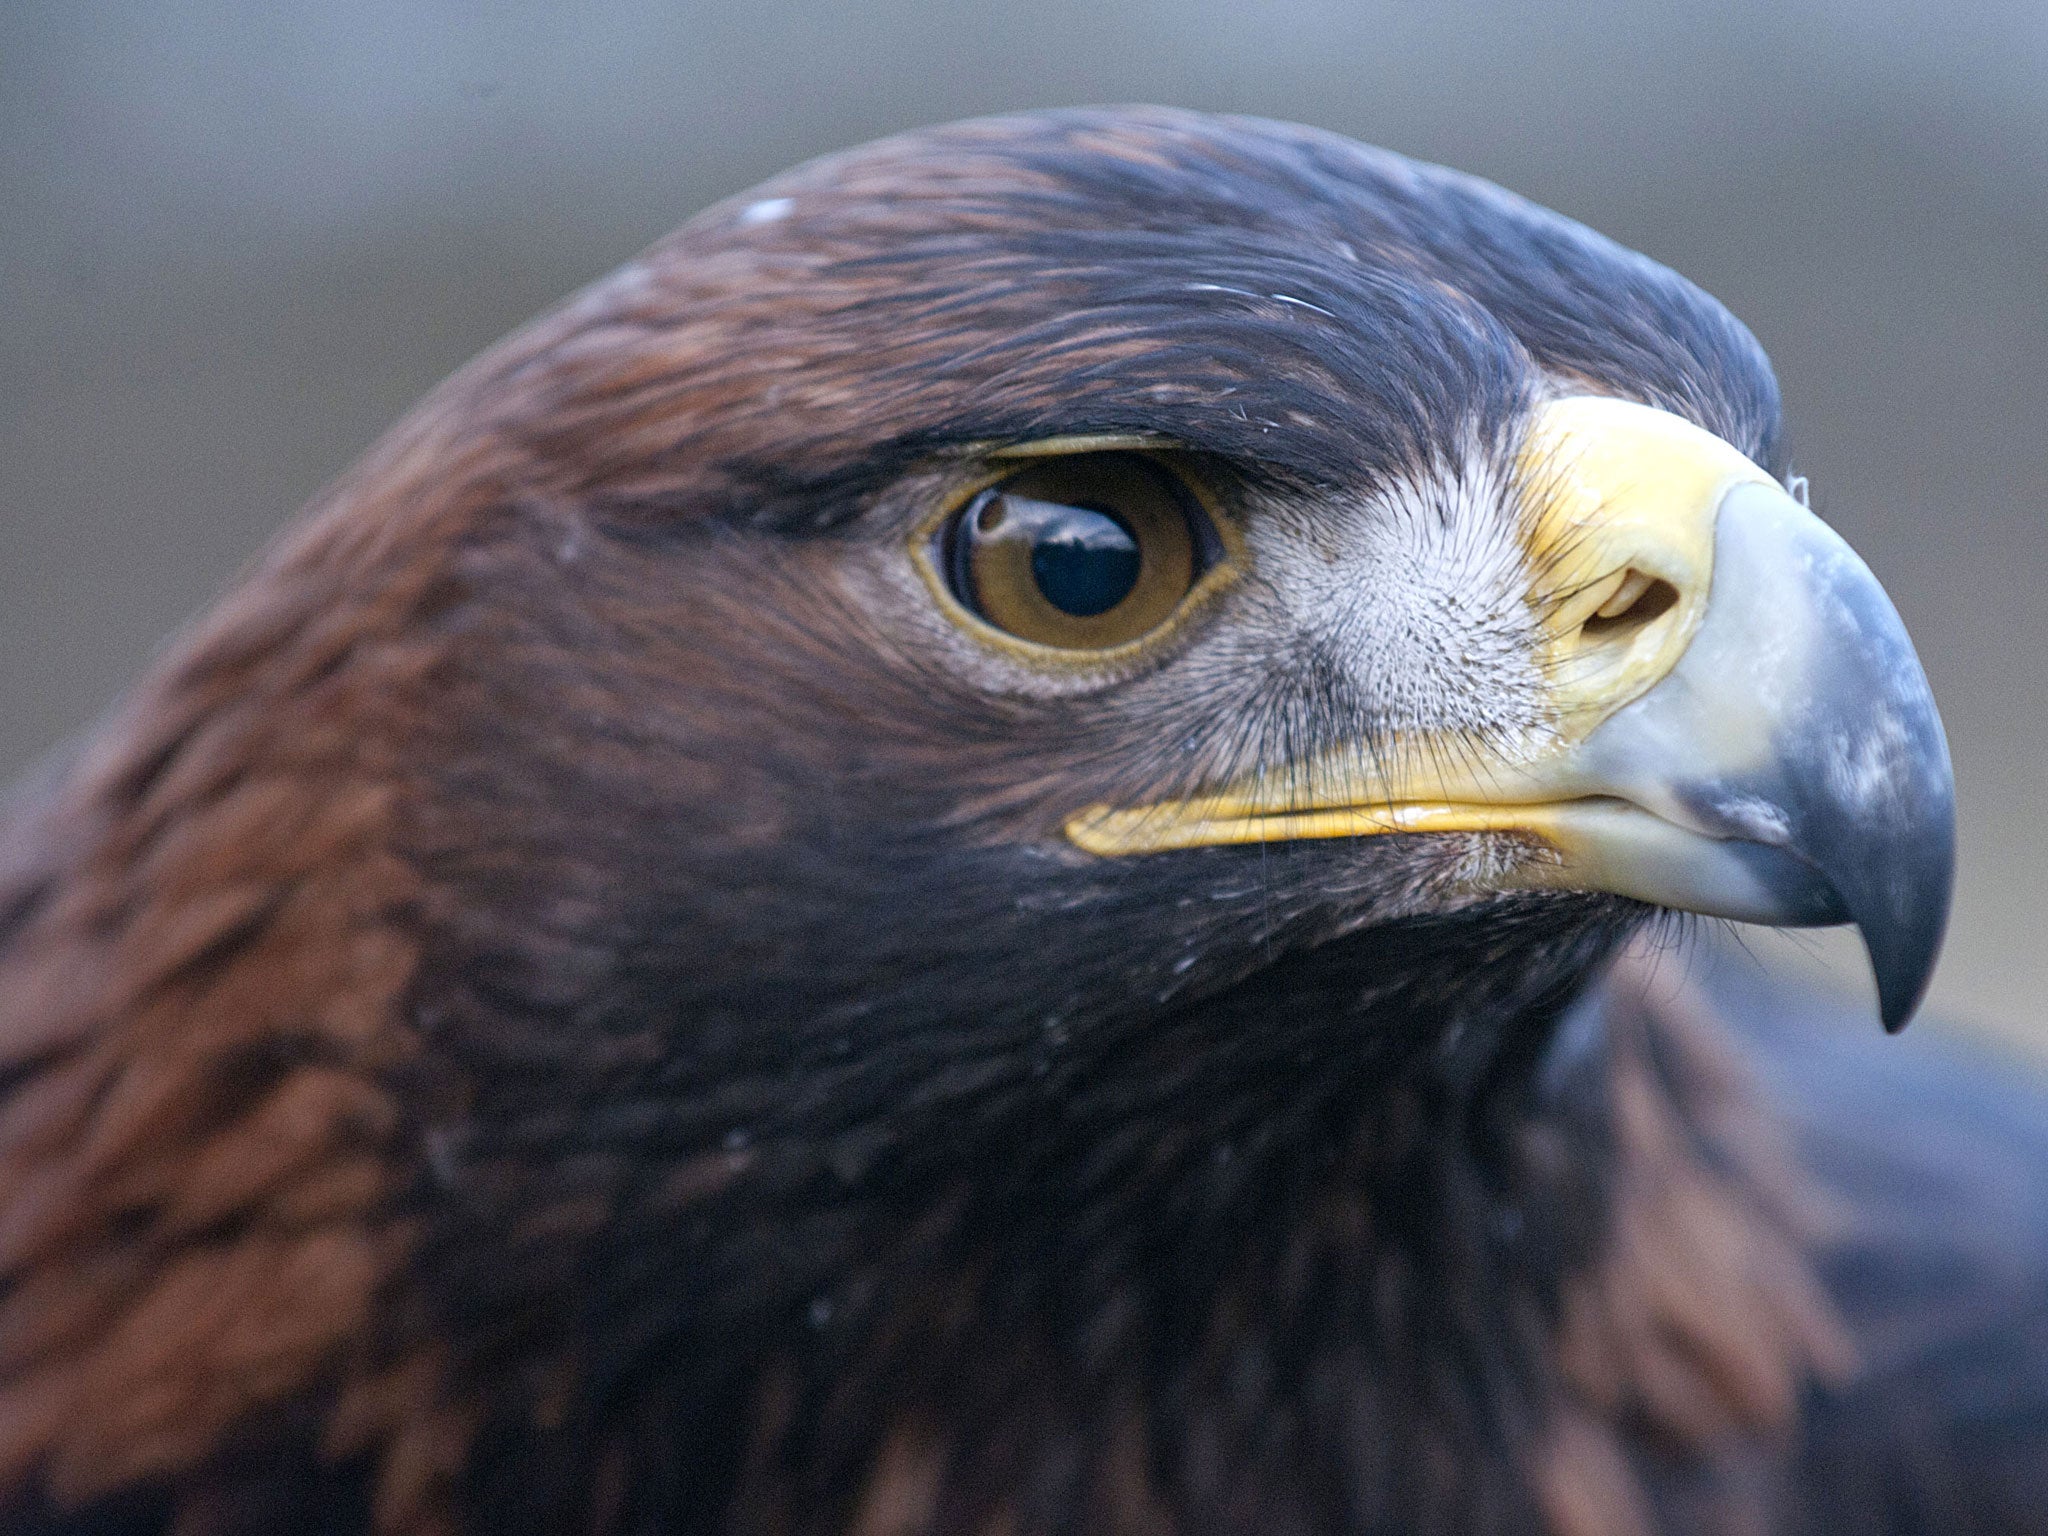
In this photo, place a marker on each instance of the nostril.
(1639, 599)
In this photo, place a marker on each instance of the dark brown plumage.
(563, 1004)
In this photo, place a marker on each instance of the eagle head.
(931, 852)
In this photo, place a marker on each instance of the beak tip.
(1903, 951)
(1899, 1001)
(1904, 969)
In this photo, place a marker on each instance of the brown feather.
(390, 991)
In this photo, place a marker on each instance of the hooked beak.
(1742, 728)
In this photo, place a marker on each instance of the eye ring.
(1081, 554)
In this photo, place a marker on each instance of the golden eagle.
(982, 850)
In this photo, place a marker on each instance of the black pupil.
(1084, 561)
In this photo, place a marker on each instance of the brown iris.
(1084, 553)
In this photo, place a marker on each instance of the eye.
(1084, 553)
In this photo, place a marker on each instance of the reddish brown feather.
(200, 1005)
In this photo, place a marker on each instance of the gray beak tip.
(1904, 940)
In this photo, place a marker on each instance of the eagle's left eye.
(1087, 552)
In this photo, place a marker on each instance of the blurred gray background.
(238, 238)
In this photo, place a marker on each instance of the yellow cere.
(1624, 491)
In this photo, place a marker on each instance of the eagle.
(1012, 842)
